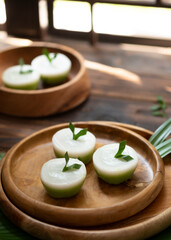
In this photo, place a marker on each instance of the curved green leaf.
(161, 133)
(79, 134)
(164, 148)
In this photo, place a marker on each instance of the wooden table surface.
(125, 80)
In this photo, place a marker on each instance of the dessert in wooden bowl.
(144, 224)
(46, 99)
(97, 202)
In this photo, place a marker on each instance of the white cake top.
(58, 66)
(52, 175)
(63, 142)
(106, 163)
(12, 76)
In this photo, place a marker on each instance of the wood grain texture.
(97, 203)
(44, 101)
(112, 98)
(150, 221)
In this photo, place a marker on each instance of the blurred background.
(128, 21)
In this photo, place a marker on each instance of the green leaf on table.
(164, 148)
(79, 134)
(47, 54)
(161, 102)
(158, 139)
(159, 109)
(119, 154)
(159, 114)
(2, 155)
(155, 108)
(161, 133)
(71, 167)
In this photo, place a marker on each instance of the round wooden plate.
(44, 101)
(97, 203)
(150, 221)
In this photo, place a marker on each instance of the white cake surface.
(12, 76)
(52, 175)
(63, 142)
(105, 162)
(59, 65)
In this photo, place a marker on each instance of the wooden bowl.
(97, 203)
(44, 101)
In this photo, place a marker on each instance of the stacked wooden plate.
(132, 210)
(44, 101)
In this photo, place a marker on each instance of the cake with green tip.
(112, 167)
(53, 67)
(23, 78)
(82, 147)
(61, 181)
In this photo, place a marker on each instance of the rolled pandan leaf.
(27, 80)
(59, 184)
(82, 148)
(52, 72)
(114, 170)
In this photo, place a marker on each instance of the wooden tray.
(44, 101)
(97, 203)
(150, 221)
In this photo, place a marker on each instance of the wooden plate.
(44, 101)
(97, 203)
(152, 220)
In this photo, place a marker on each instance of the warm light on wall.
(43, 16)
(70, 15)
(114, 19)
(132, 20)
(2, 12)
